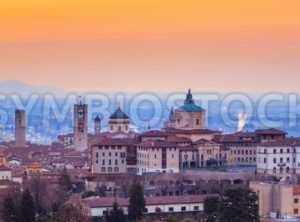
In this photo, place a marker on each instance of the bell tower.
(20, 140)
(97, 125)
(80, 127)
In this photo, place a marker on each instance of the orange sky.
(152, 45)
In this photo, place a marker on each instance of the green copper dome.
(189, 104)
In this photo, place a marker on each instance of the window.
(103, 169)
(171, 209)
(296, 200)
(183, 209)
(97, 161)
(116, 162)
(197, 122)
(274, 151)
(109, 162)
(265, 150)
(116, 169)
(296, 211)
(265, 160)
(281, 150)
(97, 155)
(196, 208)
(103, 162)
(274, 160)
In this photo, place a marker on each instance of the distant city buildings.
(164, 158)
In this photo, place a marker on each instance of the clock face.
(80, 113)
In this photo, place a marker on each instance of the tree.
(10, 213)
(136, 202)
(115, 214)
(38, 189)
(27, 208)
(211, 208)
(239, 205)
(171, 218)
(64, 186)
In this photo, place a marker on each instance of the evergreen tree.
(115, 214)
(10, 213)
(27, 208)
(136, 202)
(64, 181)
(64, 186)
(211, 208)
(239, 205)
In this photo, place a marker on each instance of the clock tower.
(80, 127)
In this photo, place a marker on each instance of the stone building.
(80, 127)
(279, 158)
(20, 125)
(119, 121)
(110, 155)
(190, 115)
(157, 156)
(97, 125)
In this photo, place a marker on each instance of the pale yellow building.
(157, 156)
(190, 115)
(119, 121)
(274, 198)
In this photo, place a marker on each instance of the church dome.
(119, 114)
(189, 104)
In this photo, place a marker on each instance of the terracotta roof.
(105, 202)
(192, 131)
(114, 142)
(154, 133)
(288, 142)
(34, 166)
(238, 137)
(204, 141)
(157, 144)
(5, 168)
(176, 139)
(270, 131)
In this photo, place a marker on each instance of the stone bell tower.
(80, 127)
(20, 125)
(97, 125)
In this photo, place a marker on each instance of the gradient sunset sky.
(152, 45)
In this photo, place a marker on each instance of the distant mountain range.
(25, 89)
